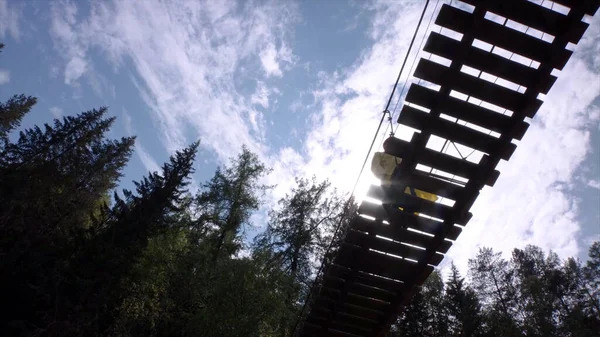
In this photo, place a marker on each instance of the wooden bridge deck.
(388, 253)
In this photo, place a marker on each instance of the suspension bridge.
(389, 249)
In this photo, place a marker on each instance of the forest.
(80, 257)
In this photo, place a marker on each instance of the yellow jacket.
(383, 166)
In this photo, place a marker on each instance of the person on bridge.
(386, 168)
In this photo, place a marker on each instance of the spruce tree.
(228, 200)
(492, 279)
(583, 287)
(591, 274)
(298, 233)
(302, 226)
(433, 293)
(235, 297)
(51, 181)
(425, 314)
(463, 307)
(413, 321)
(537, 278)
(103, 270)
(11, 114)
(193, 284)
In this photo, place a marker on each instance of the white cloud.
(594, 184)
(73, 39)
(268, 58)
(591, 239)
(186, 60)
(261, 95)
(56, 112)
(149, 163)
(9, 20)
(69, 40)
(272, 59)
(127, 123)
(4, 76)
(295, 106)
(75, 69)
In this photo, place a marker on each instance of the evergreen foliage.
(531, 294)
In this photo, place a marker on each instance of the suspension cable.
(389, 102)
(393, 113)
(413, 63)
(385, 112)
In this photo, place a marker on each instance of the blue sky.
(302, 84)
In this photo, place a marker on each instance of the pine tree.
(191, 290)
(103, 270)
(413, 320)
(493, 281)
(229, 199)
(433, 292)
(147, 305)
(591, 273)
(11, 114)
(537, 278)
(302, 225)
(51, 181)
(235, 297)
(299, 233)
(583, 316)
(571, 308)
(425, 314)
(463, 307)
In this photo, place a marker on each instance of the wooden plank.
(312, 328)
(444, 162)
(375, 263)
(357, 288)
(416, 204)
(503, 37)
(428, 183)
(534, 16)
(454, 132)
(389, 316)
(476, 87)
(344, 318)
(589, 7)
(373, 281)
(486, 118)
(490, 63)
(351, 298)
(435, 159)
(325, 304)
(400, 249)
(325, 312)
(396, 231)
(372, 242)
(338, 324)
